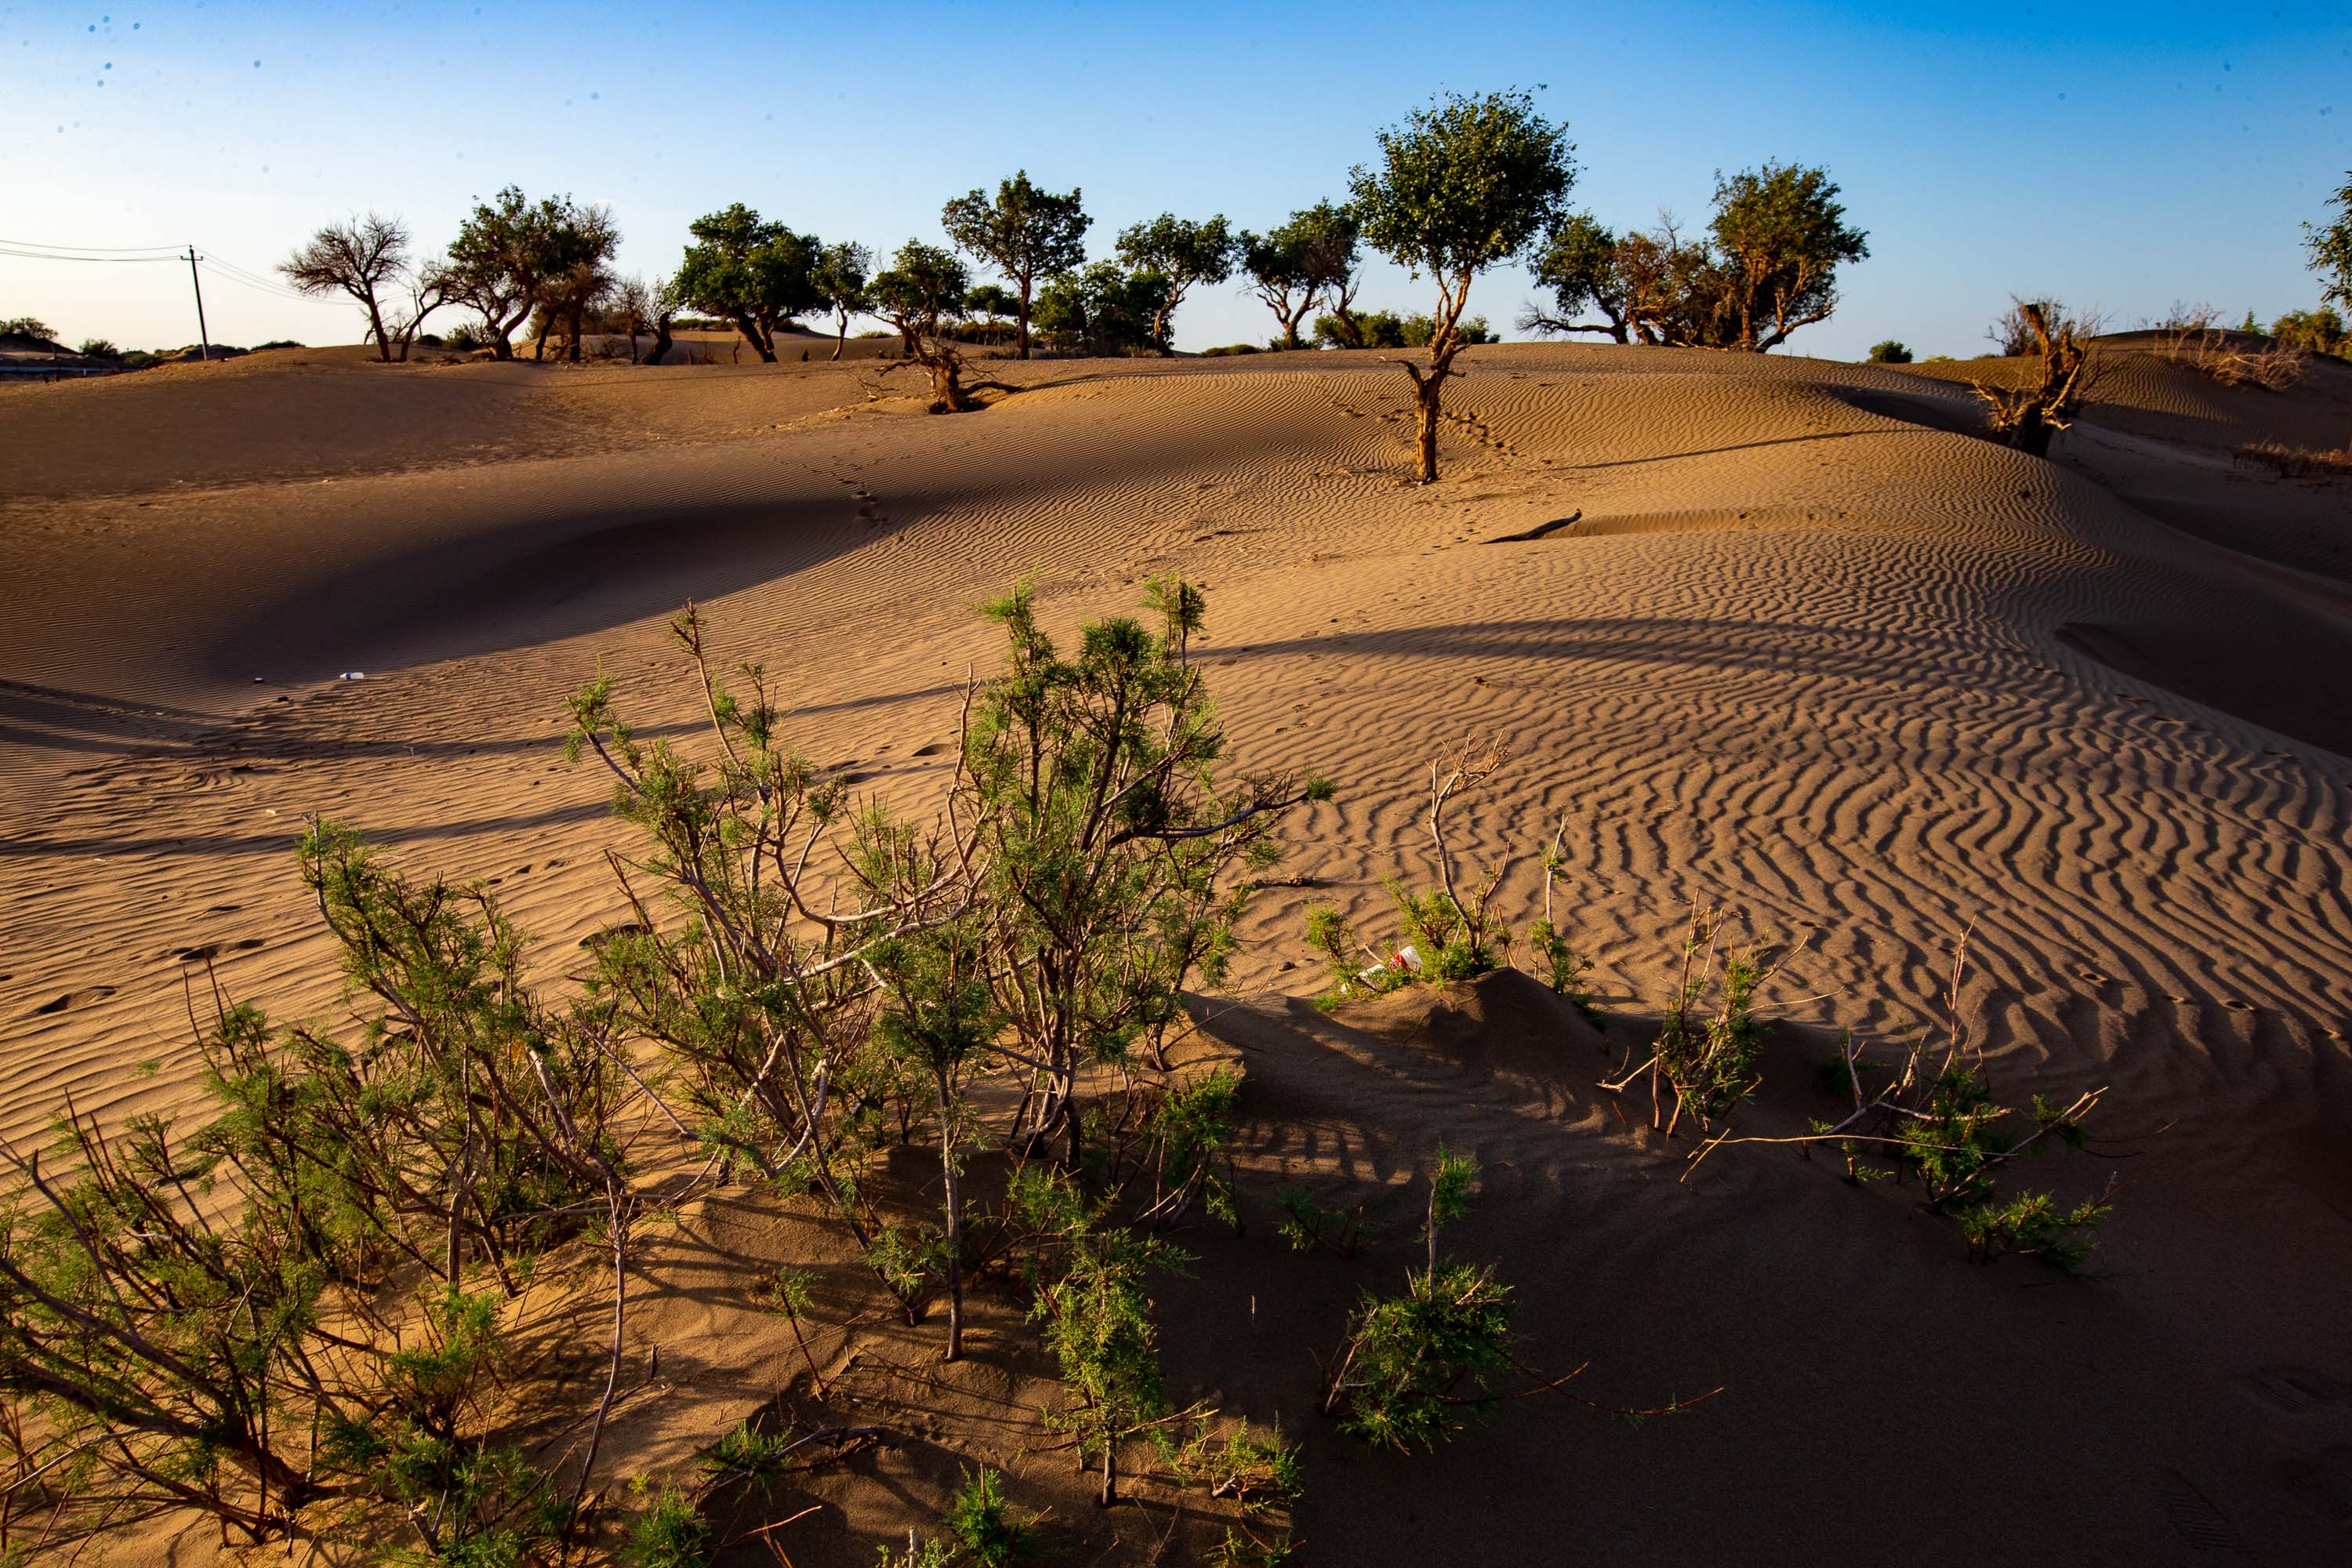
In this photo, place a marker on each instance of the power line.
(100, 249)
(6, 250)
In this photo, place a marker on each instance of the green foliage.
(1306, 1224)
(755, 273)
(1565, 969)
(1412, 1362)
(1102, 309)
(1089, 1276)
(1292, 266)
(923, 287)
(1451, 943)
(1387, 330)
(982, 1524)
(2321, 331)
(1782, 235)
(2331, 249)
(838, 276)
(423, 1443)
(670, 1533)
(1259, 1471)
(1179, 253)
(1768, 267)
(27, 327)
(2031, 1224)
(1116, 860)
(1465, 184)
(1706, 1047)
(98, 348)
(1026, 233)
(1889, 352)
(513, 256)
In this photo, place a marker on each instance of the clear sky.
(2118, 155)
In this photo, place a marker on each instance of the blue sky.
(2123, 157)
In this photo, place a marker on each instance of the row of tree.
(1779, 235)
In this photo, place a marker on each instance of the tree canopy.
(1102, 309)
(514, 254)
(921, 291)
(1768, 267)
(1298, 264)
(1781, 233)
(1180, 252)
(839, 279)
(757, 274)
(363, 257)
(2331, 249)
(1026, 233)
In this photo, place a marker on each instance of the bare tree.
(367, 257)
(2026, 417)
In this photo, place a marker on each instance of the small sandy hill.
(1773, 633)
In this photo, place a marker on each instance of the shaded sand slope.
(1805, 650)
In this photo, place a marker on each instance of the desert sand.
(1809, 650)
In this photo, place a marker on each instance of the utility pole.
(203, 339)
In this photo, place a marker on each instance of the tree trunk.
(952, 1198)
(1026, 283)
(947, 395)
(1111, 1474)
(376, 320)
(1425, 394)
(2033, 434)
(840, 337)
(578, 321)
(661, 342)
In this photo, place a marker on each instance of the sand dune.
(1808, 649)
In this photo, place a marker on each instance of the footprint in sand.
(2194, 1518)
(2296, 1389)
(81, 998)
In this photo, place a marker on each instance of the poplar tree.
(1463, 186)
(1026, 233)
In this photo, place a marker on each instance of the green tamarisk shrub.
(1088, 1277)
(1412, 1365)
(982, 1524)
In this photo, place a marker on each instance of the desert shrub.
(2232, 359)
(1451, 931)
(1306, 1224)
(98, 348)
(1224, 350)
(423, 1444)
(1889, 352)
(669, 1532)
(1088, 1278)
(2299, 462)
(982, 1524)
(1936, 1119)
(1567, 969)
(175, 1333)
(1403, 1372)
(1704, 1057)
(1191, 1130)
(26, 327)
